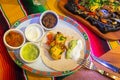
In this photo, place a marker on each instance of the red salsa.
(14, 38)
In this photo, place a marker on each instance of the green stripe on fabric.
(25, 75)
(22, 7)
(31, 8)
(5, 16)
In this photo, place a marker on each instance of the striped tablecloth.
(12, 10)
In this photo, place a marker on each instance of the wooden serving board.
(108, 36)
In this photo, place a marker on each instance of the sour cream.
(33, 32)
(75, 53)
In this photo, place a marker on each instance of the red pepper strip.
(92, 13)
(81, 7)
(76, 2)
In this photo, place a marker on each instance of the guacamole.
(74, 50)
(29, 52)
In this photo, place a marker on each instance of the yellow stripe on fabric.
(52, 5)
(113, 44)
(31, 76)
(12, 10)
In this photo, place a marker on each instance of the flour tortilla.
(62, 64)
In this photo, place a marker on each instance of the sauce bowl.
(14, 38)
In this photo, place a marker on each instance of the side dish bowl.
(34, 32)
(29, 52)
(14, 38)
(49, 19)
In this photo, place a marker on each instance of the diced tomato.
(49, 38)
(81, 7)
(76, 2)
(92, 13)
(48, 42)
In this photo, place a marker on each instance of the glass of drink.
(39, 2)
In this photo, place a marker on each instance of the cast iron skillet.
(108, 36)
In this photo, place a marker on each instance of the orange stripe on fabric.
(52, 5)
(5, 66)
(12, 10)
(36, 77)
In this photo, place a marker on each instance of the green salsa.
(30, 52)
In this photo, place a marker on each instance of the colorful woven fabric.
(12, 10)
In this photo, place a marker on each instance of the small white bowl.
(49, 19)
(34, 32)
(30, 52)
(14, 38)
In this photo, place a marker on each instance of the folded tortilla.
(62, 64)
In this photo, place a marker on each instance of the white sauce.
(75, 53)
(33, 33)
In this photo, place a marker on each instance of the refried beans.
(49, 20)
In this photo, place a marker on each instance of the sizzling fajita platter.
(100, 16)
(56, 52)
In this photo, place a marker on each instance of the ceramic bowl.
(34, 32)
(49, 19)
(14, 38)
(29, 52)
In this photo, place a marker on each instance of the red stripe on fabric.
(98, 45)
(8, 69)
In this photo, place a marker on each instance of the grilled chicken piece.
(57, 46)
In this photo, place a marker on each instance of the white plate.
(39, 67)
